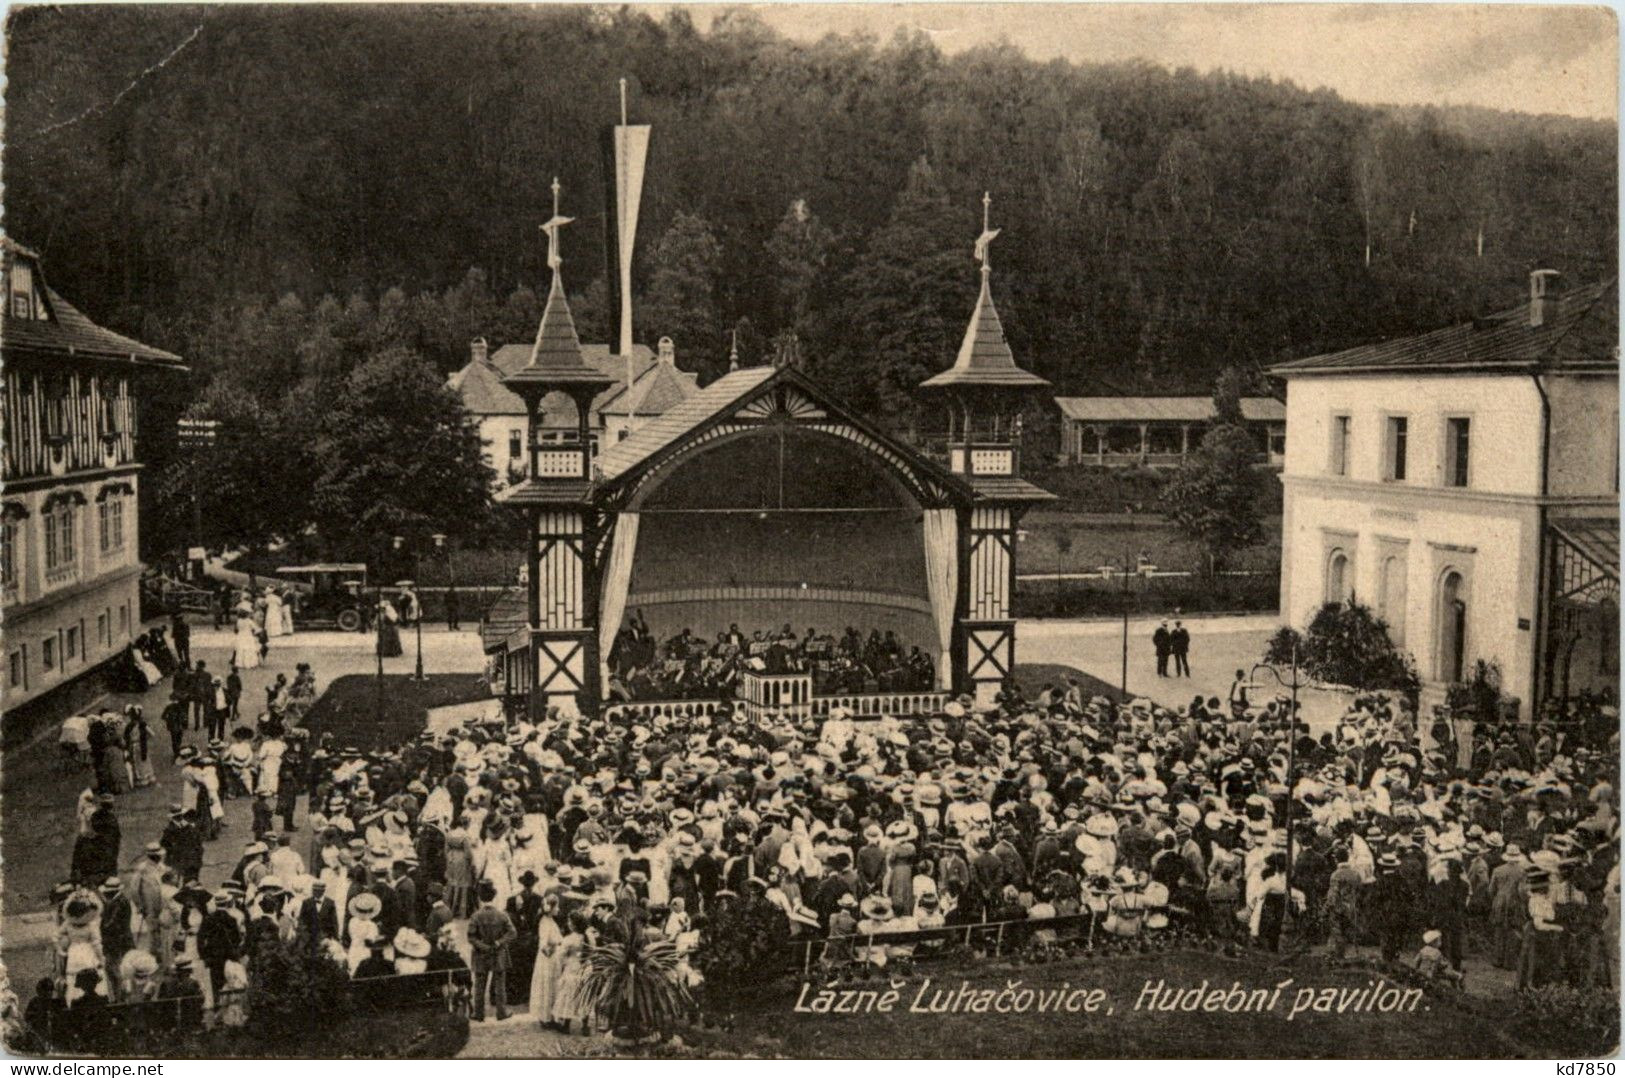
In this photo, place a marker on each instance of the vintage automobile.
(331, 593)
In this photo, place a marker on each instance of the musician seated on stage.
(687, 666)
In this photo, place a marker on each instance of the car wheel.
(350, 620)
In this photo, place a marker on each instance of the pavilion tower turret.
(984, 392)
(562, 586)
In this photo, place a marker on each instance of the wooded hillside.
(204, 177)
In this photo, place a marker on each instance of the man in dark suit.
(403, 899)
(182, 843)
(318, 917)
(181, 634)
(118, 931)
(219, 939)
(525, 911)
(1179, 642)
(1162, 641)
(490, 933)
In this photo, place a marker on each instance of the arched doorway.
(1452, 626)
(1337, 577)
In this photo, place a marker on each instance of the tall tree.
(800, 246)
(681, 302)
(908, 299)
(1214, 496)
(396, 455)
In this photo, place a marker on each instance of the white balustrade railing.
(882, 704)
(875, 705)
(790, 693)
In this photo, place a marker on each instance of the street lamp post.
(439, 545)
(1126, 569)
(1291, 750)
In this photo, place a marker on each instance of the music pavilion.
(762, 501)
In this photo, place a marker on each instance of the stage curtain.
(941, 529)
(617, 580)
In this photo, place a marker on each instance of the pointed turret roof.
(984, 357)
(556, 361)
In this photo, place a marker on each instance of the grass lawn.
(1440, 1025)
(1060, 541)
(350, 707)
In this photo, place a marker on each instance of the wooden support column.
(1184, 440)
(1145, 441)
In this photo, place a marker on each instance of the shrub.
(742, 950)
(1568, 1021)
(636, 984)
(1346, 644)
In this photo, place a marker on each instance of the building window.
(516, 443)
(22, 291)
(8, 555)
(1457, 440)
(1398, 435)
(1338, 572)
(47, 653)
(1340, 444)
(70, 646)
(61, 550)
(1391, 597)
(124, 620)
(19, 669)
(111, 512)
(104, 628)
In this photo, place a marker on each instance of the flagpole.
(623, 152)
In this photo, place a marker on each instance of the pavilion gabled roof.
(734, 394)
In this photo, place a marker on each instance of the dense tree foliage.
(279, 192)
(334, 150)
(1216, 496)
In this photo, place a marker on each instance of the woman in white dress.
(247, 653)
(287, 612)
(273, 614)
(545, 974)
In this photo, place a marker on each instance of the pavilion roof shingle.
(1582, 331)
(984, 356)
(556, 360)
(1165, 409)
(658, 433)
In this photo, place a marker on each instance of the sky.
(1522, 57)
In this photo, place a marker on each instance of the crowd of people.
(502, 850)
(690, 667)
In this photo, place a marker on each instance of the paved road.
(38, 793)
(1219, 647)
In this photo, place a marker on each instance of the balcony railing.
(62, 574)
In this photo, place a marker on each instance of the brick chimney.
(668, 351)
(479, 351)
(1545, 291)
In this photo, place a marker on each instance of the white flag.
(631, 155)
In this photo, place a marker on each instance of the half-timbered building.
(69, 563)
